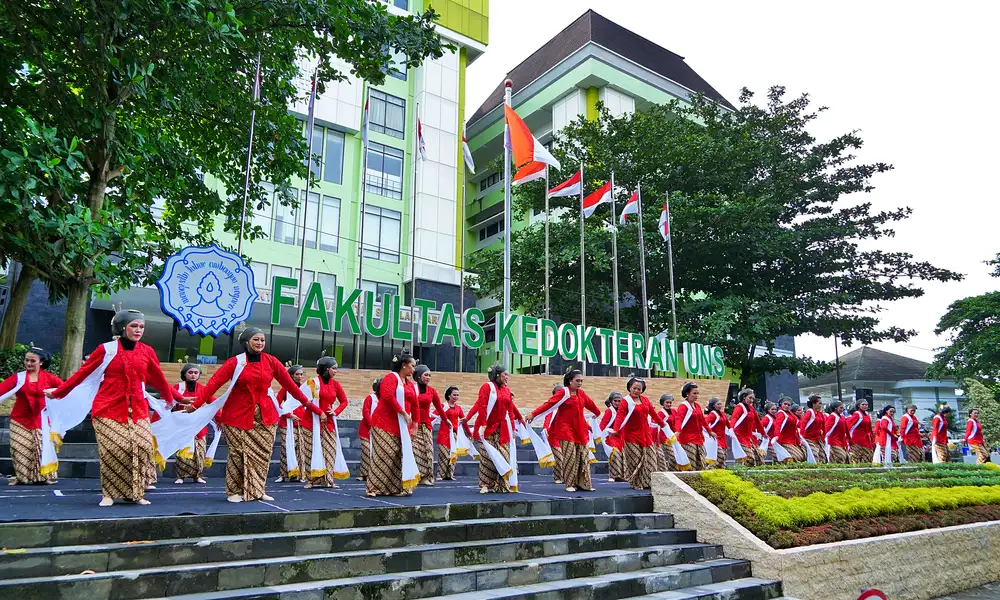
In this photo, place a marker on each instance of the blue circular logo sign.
(207, 290)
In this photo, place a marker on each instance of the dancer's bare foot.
(200, 480)
(571, 489)
(267, 498)
(105, 501)
(143, 502)
(179, 481)
(234, 498)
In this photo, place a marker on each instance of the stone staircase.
(573, 549)
(78, 455)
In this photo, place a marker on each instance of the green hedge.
(820, 507)
(790, 484)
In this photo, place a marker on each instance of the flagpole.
(614, 260)
(310, 124)
(547, 241)
(361, 222)
(507, 223)
(461, 283)
(413, 235)
(642, 269)
(246, 185)
(583, 269)
(670, 262)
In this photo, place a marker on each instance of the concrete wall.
(913, 566)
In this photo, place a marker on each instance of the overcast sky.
(918, 80)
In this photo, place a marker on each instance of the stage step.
(608, 548)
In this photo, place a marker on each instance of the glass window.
(379, 288)
(396, 66)
(285, 230)
(312, 218)
(279, 271)
(404, 4)
(329, 225)
(384, 171)
(333, 158)
(388, 114)
(490, 181)
(259, 274)
(306, 281)
(262, 217)
(329, 283)
(488, 231)
(317, 151)
(382, 230)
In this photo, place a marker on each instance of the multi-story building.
(592, 60)
(434, 93)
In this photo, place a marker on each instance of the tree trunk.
(78, 298)
(12, 317)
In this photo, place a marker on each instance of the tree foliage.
(107, 107)
(765, 241)
(985, 399)
(973, 325)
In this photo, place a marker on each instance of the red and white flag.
(600, 196)
(364, 125)
(523, 145)
(570, 187)
(421, 146)
(665, 222)
(631, 207)
(529, 172)
(467, 153)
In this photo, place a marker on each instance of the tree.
(973, 325)
(985, 399)
(142, 99)
(764, 242)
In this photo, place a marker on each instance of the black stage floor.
(78, 498)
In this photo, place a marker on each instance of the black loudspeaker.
(864, 394)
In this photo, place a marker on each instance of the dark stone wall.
(443, 357)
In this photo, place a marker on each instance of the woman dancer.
(746, 425)
(767, 422)
(26, 416)
(838, 439)
(812, 426)
(616, 460)
(191, 467)
(451, 420)
(119, 409)
(385, 467)
(715, 418)
(554, 446)
(859, 427)
(632, 424)
(691, 424)
(293, 420)
(420, 410)
(364, 430)
(887, 436)
(974, 438)
(327, 391)
(939, 434)
(913, 443)
(667, 414)
(786, 427)
(249, 416)
(569, 429)
(495, 416)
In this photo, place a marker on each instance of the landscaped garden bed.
(792, 506)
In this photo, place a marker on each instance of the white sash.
(177, 429)
(411, 475)
(975, 428)
(543, 452)
(861, 420)
(553, 409)
(810, 457)
(317, 468)
(680, 456)
(687, 415)
(504, 468)
(910, 422)
(711, 447)
(68, 412)
(877, 457)
(765, 440)
(826, 438)
(604, 432)
(736, 446)
(49, 461)
(371, 411)
(291, 457)
(463, 445)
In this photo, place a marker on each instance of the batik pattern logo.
(207, 290)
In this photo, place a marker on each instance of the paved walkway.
(990, 591)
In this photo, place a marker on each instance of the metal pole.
(310, 124)
(583, 267)
(507, 224)
(413, 233)
(614, 261)
(246, 184)
(361, 222)
(461, 283)
(642, 269)
(836, 356)
(670, 263)
(548, 306)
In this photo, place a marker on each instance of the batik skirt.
(249, 458)
(125, 451)
(194, 467)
